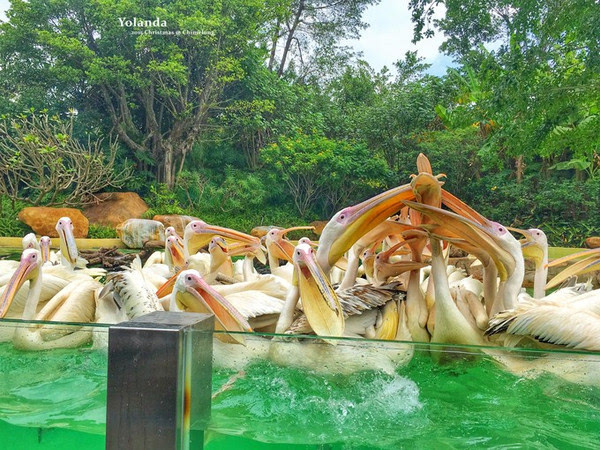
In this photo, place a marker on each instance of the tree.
(317, 169)
(160, 91)
(541, 84)
(309, 31)
(41, 162)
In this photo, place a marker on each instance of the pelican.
(75, 303)
(535, 246)
(280, 248)
(572, 322)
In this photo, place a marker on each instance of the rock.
(262, 230)
(42, 220)
(136, 232)
(176, 221)
(114, 208)
(593, 242)
(319, 225)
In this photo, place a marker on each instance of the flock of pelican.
(379, 271)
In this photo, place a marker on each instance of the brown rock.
(176, 221)
(115, 207)
(319, 225)
(42, 220)
(593, 242)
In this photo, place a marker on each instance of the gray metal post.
(159, 381)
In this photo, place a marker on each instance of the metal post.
(159, 381)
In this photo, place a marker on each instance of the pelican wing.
(559, 325)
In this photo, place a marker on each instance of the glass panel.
(52, 399)
(278, 392)
(375, 394)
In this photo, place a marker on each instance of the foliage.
(162, 200)
(316, 168)
(10, 225)
(101, 232)
(41, 162)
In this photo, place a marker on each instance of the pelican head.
(319, 300)
(45, 248)
(534, 245)
(192, 293)
(170, 231)
(198, 234)
(28, 269)
(30, 241)
(348, 225)
(174, 254)
(68, 247)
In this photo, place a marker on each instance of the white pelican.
(75, 303)
(535, 246)
(571, 321)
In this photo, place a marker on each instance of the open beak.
(68, 247)
(282, 248)
(348, 225)
(174, 248)
(199, 297)
(590, 263)
(529, 246)
(319, 300)
(26, 270)
(472, 232)
(198, 234)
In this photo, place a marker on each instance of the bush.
(10, 226)
(101, 232)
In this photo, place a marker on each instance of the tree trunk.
(168, 167)
(290, 37)
(519, 168)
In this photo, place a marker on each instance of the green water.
(56, 400)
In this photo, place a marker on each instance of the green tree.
(159, 91)
(317, 169)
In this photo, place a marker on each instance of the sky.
(386, 40)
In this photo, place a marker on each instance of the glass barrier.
(276, 392)
(53, 398)
(306, 393)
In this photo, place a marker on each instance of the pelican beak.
(68, 247)
(472, 232)
(461, 208)
(530, 248)
(349, 224)
(282, 248)
(423, 164)
(174, 248)
(427, 189)
(590, 263)
(388, 327)
(198, 234)
(45, 248)
(193, 294)
(26, 270)
(167, 288)
(319, 300)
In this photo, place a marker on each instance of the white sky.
(386, 40)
